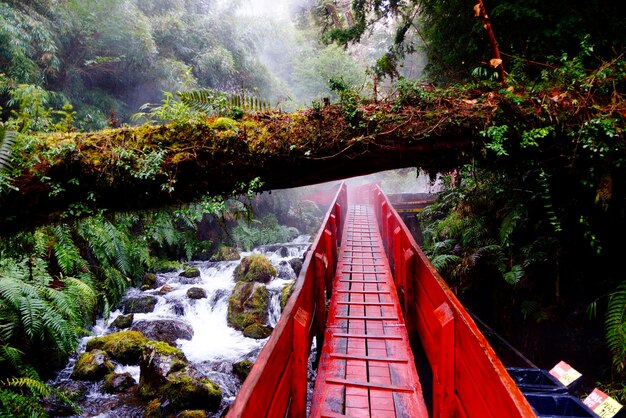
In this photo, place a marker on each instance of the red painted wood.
(480, 381)
(367, 368)
(268, 389)
(300, 363)
(443, 374)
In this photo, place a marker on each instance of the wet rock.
(190, 272)
(285, 271)
(56, 408)
(166, 330)
(158, 409)
(196, 293)
(255, 268)
(186, 389)
(285, 293)
(165, 289)
(178, 308)
(198, 413)
(296, 265)
(157, 362)
(93, 365)
(124, 346)
(247, 305)
(217, 295)
(141, 304)
(149, 281)
(242, 368)
(123, 321)
(74, 390)
(117, 382)
(257, 331)
(224, 253)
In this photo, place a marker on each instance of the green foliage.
(6, 146)
(616, 327)
(349, 100)
(257, 232)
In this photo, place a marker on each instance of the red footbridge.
(395, 341)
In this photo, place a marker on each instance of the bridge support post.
(443, 373)
(321, 265)
(300, 364)
(408, 272)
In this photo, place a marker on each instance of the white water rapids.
(214, 346)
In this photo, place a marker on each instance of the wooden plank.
(396, 388)
(369, 318)
(368, 336)
(365, 303)
(369, 358)
(443, 371)
(379, 292)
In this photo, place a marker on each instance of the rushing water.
(214, 347)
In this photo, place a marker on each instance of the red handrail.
(469, 379)
(277, 383)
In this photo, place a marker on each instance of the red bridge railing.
(469, 379)
(277, 384)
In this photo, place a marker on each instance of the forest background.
(529, 232)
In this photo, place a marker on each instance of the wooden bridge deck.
(366, 367)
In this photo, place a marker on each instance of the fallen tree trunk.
(58, 176)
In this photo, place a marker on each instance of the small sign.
(302, 317)
(565, 373)
(602, 404)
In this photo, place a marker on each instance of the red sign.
(565, 373)
(602, 404)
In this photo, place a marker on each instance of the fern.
(205, 100)
(445, 262)
(7, 140)
(616, 327)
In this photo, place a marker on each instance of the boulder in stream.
(92, 365)
(166, 330)
(286, 292)
(198, 413)
(242, 368)
(149, 281)
(257, 331)
(123, 321)
(74, 390)
(141, 304)
(190, 272)
(124, 346)
(255, 268)
(247, 305)
(167, 376)
(117, 382)
(296, 265)
(196, 293)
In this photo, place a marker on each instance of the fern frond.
(205, 100)
(615, 324)
(445, 262)
(7, 140)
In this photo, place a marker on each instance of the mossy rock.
(296, 265)
(158, 409)
(74, 390)
(255, 268)
(242, 368)
(123, 321)
(190, 272)
(186, 390)
(286, 292)
(257, 331)
(124, 346)
(142, 304)
(293, 232)
(196, 293)
(149, 281)
(117, 382)
(92, 365)
(198, 413)
(247, 304)
(157, 362)
(225, 253)
(168, 266)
